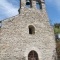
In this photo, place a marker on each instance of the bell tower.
(23, 3)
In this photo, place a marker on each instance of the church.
(28, 35)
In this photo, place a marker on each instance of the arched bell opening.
(38, 4)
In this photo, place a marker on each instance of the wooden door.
(33, 56)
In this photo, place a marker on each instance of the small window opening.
(38, 5)
(28, 3)
(31, 29)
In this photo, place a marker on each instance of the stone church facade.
(28, 36)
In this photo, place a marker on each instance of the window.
(31, 29)
(29, 3)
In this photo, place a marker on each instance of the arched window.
(29, 3)
(31, 29)
(33, 55)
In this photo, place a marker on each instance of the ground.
(58, 48)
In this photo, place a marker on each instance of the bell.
(27, 2)
(37, 2)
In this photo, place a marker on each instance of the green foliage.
(57, 28)
(57, 31)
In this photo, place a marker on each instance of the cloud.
(8, 9)
(56, 3)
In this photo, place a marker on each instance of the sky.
(9, 8)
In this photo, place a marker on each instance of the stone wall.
(16, 42)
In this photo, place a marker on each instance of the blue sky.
(9, 8)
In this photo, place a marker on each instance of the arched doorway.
(33, 55)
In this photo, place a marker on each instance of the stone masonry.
(15, 40)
